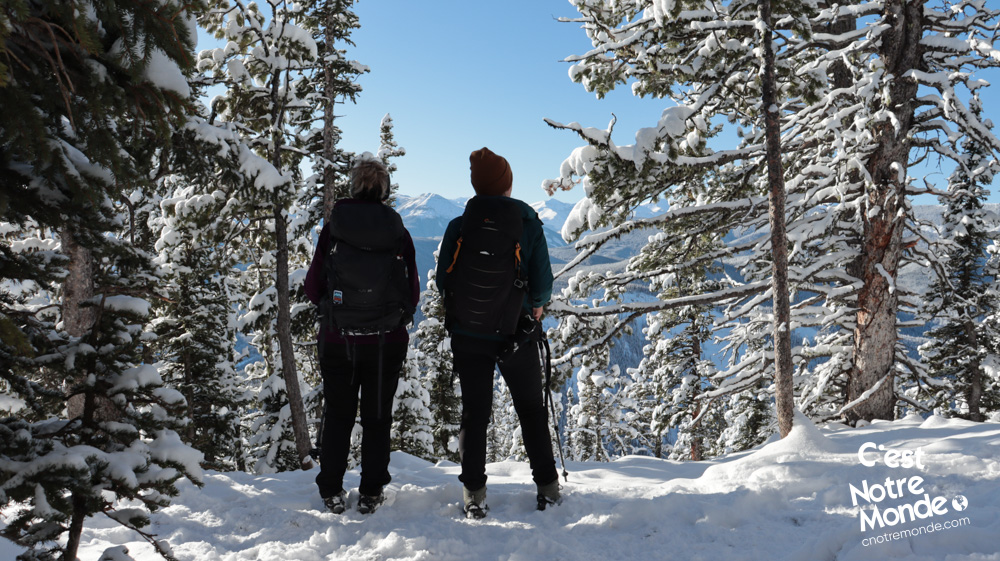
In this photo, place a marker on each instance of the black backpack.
(486, 286)
(368, 286)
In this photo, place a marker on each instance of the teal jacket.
(534, 255)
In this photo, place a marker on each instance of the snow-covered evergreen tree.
(849, 131)
(387, 151)
(195, 323)
(960, 345)
(269, 68)
(338, 76)
(594, 414)
(433, 359)
(675, 376)
(89, 113)
(748, 420)
(412, 422)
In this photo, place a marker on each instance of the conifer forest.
(160, 204)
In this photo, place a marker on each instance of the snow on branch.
(634, 310)
(864, 397)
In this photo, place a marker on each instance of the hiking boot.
(548, 495)
(368, 504)
(336, 504)
(475, 503)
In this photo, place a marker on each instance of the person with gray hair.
(364, 279)
(369, 179)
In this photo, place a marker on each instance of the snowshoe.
(548, 495)
(336, 504)
(475, 503)
(368, 504)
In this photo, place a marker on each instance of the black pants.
(342, 380)
(475, 361)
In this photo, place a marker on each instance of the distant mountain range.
(426, 217)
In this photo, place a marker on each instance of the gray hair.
(370, 180)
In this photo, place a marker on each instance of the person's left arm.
(539, 271)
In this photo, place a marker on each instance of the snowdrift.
(788, 499)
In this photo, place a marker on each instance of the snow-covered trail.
(786, 500)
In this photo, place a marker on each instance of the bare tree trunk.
(289, 372)
(783, 391)
(330, 136)
(974, 390)
(78, 320)
(870, 391)
(75, 529)
(78, 287)
(697, 450)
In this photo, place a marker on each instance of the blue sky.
(459, 75)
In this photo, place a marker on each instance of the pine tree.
(91, 99)
(387, 151)
(412, 423)
(269, 68)
(195, 325)
(959, 350)
(845, 152)
(338, 76)
(435, 363)
(776, 197)
(749, 419)
(677, 376)
(595, 413)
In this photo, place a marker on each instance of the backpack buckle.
(518, 283)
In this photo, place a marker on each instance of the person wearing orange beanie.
(478, 353)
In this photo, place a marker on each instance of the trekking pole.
(317, 451)
(546, 351)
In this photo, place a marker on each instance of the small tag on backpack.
(338, 297)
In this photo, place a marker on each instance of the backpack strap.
(458, 248)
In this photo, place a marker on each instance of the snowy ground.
(787, 500)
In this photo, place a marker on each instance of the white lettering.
(923, 508)
(892, 458)
(870, 522)
(855, 493)
(861, 454)
(893, 489)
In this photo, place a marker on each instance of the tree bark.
(974, 389)
(697, 454)
(783, 390)
(78, 288)
(875, 334)
(75, 528)
(289, 372)
(330, 136)
(284, 331)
